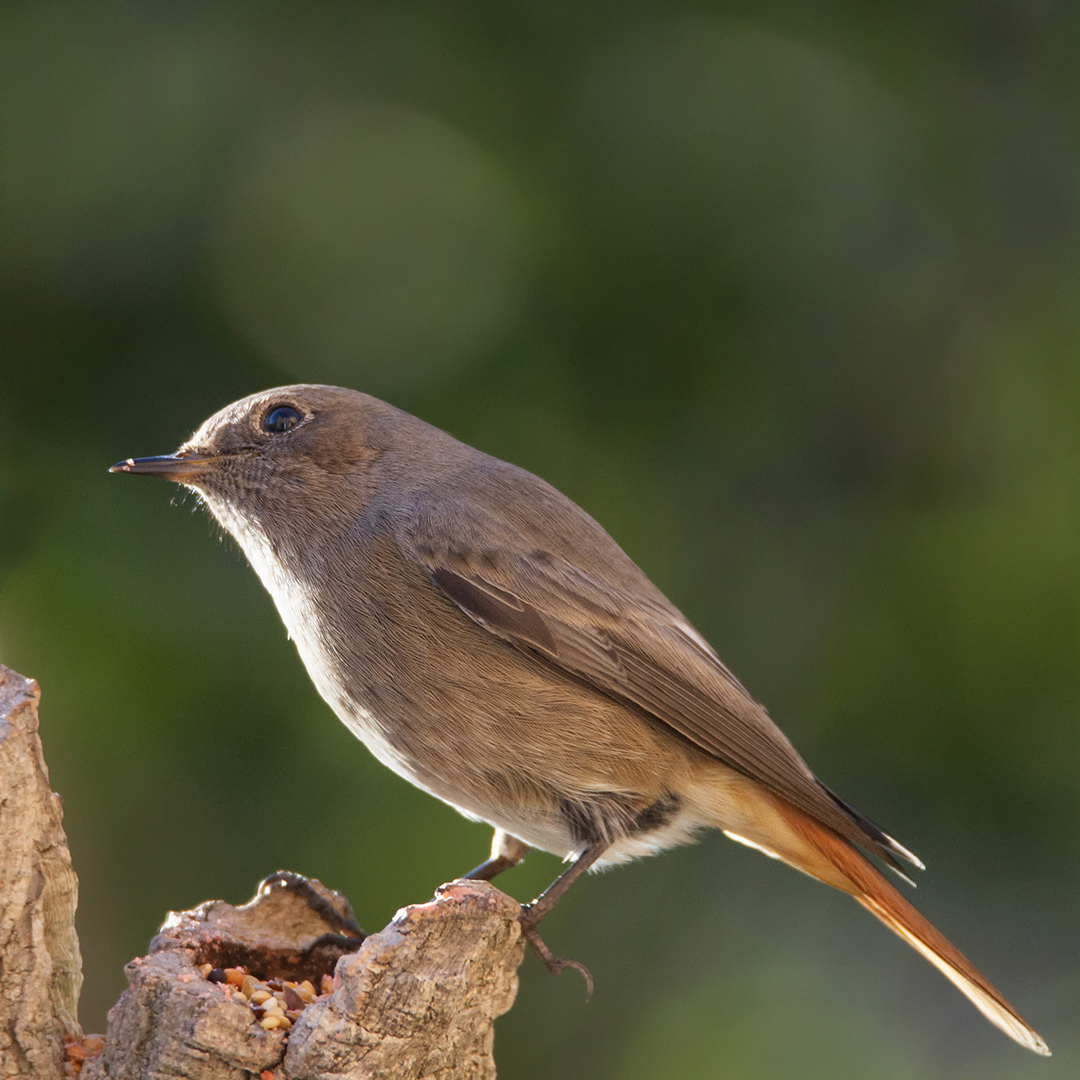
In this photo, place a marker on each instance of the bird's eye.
(281, 418)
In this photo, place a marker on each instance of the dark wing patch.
(498, 610)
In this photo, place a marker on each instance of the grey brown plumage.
(491, 643)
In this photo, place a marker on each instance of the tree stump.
(40, 964)
(416, 1000)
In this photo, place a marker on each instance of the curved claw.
(347, 927)
(555, 964)
(340, 941)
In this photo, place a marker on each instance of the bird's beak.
(183, 466)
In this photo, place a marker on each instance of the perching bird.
(487, 640)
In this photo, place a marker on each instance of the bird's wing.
(611, 627)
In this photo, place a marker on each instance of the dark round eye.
(281, 418)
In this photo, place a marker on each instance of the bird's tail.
(847, 869)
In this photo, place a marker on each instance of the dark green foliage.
(786, 296)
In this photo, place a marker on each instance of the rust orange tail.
(847, 869)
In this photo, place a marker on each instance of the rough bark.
(40, 964)
(417, 1000)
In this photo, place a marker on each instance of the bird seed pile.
(276, 1003)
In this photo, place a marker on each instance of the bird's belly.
(544, 760)
(542, 826)
(541, 823)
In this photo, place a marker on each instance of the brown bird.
(488, 641)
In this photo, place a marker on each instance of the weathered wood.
(40, 964)
(419, 998)
(416, 1000)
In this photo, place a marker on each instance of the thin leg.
(506, 851)
(534, 912)
(531, 914)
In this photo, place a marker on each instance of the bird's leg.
(534, 912)
(506, 851)
(531, 914)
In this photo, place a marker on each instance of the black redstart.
(487, 640)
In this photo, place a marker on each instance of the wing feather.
(611, 627)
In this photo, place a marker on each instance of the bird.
(488, 641)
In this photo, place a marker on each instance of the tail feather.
(881, 899)
(887, 846)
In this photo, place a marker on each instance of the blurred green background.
(787, 296)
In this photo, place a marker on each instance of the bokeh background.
(786, 295)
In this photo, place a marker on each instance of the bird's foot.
(555, 964)
(332, 941)
(347, 929)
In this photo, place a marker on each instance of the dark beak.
(181, 467)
